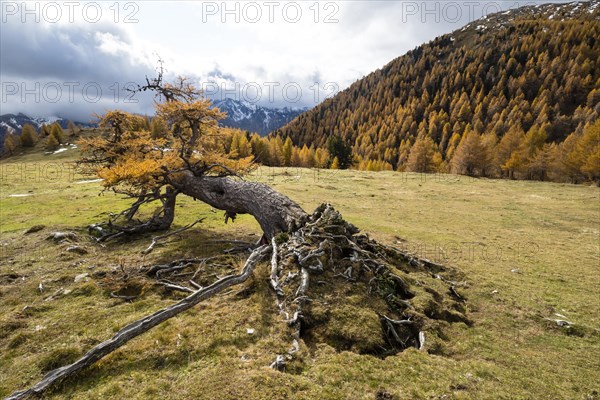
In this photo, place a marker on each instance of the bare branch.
(157, 238)
(142, 325)
(172, 286)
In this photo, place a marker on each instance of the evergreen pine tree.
(340, 150)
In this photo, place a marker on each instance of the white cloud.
(193, 40)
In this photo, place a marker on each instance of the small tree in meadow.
(10, 143)
(28, 136)
(52, 143)
(72, 127)
(421, 157)
(58, 133)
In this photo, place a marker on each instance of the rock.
(563, 323)
(77, 249)
(383, 395)
(55, 295)
(58, 236)
(95, 230)
(560, 322)
(35, 228)
(81, 277)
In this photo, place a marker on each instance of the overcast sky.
(73, 59)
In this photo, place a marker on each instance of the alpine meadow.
(385, 200)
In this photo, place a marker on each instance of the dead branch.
(176, 265)
(126, 298)
(173, 286)
(421, 340)
(166, 235)
(143, 325)
(194, 284)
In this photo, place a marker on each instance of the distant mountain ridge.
(240, 114)
(13, 123)
(254, 118)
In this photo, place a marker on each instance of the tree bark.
(168, 215)
(274, 211)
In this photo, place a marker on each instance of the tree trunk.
(164, 221)
(274, 211)
(159, 222)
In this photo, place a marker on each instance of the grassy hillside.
(528, 251)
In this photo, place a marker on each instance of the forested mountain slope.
(528, 75)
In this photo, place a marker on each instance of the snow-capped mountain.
(240, 114)
(255, 118)
(11, 123)
(14, 123)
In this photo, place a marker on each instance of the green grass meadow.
(528, 251)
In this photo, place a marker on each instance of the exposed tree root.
(406, 294)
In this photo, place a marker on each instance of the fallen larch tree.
(316, 260)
